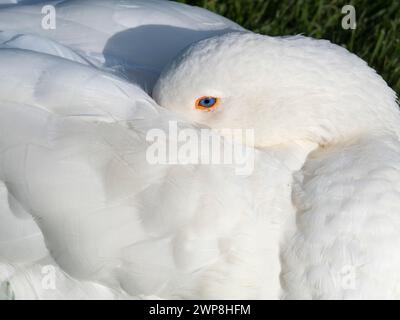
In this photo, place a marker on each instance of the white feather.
(78, 193)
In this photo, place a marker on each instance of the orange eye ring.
(207, 103)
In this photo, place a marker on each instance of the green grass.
(376, 38)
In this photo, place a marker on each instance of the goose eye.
(206, 103)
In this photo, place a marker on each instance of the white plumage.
(317, 218)
(136, 38)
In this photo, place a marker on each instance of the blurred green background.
(376, 38)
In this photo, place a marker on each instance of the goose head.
(288, 89)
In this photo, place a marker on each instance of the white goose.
(319, 209)
(316, 103)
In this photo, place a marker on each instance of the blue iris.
(207, 102)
